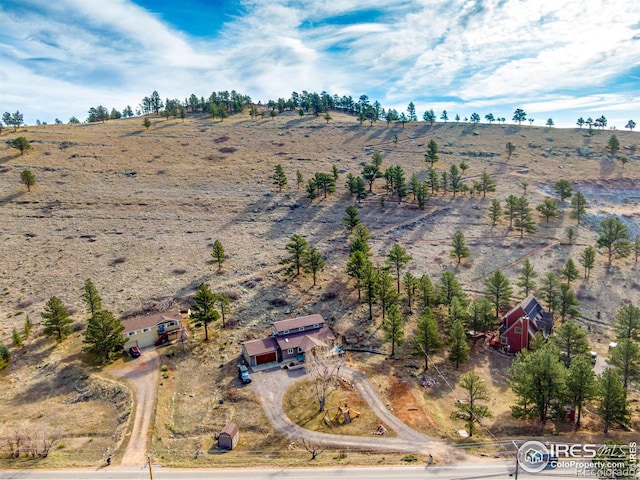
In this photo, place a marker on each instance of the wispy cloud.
(61, 57)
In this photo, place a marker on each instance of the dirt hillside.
(138, 210)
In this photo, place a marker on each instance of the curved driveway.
(270, 385)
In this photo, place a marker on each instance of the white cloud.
(485, 53)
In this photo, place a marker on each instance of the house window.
(299, 350)
(316, 325)
(131, 334)
(504, 340)
(301, 329)
(290, 351)
(285, 332)
(518, 330)
(145, 330)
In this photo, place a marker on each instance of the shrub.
(5, 356)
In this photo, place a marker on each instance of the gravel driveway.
(142, 374)
(270, 386)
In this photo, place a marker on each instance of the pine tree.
(204, 310)
(5, 356)
(587, 260)
(91, 298)
(475, 392)
(103, 335)
(313, 262)
(526, 278)
(350, 220)
(547, 209)
(580, 385)
(498, 290)
(613, 145)
(56, 319)
(480, 317)
(625, 357)
(614, 236)
(431, 156)
(495, 211)
(612, 399)
(355, 268)
(627, 324)
(279, 177)
(486, 184)
(28, 327)
(550, 291)
(578, 206)
(457, 312)
(448, 288)
(28, 179)
(385, 291)
(510, 148)
(432, 181)
(223, 301)
(511, 208)
(570, 271)
(427, 292)
(218, 254)
(427, 337)
(410, 283)
(458, 346)
(297, 247)
(460, 249)
(538, 379)
(455, 179)
(567, 302)
(414, 186)
(360, 240)
(523, 220)
(16, 338)
(398, 259)
(370, 286)
(563, 188)
(571, 341)
(393, 328)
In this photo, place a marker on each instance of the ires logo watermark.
(587, 460)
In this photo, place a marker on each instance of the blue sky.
(554, 58)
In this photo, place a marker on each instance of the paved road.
(467, 471)
(271, 384)
(142, 374)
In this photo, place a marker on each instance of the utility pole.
(149, 463)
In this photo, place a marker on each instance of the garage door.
(266, 358)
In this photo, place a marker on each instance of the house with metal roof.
(521, 323)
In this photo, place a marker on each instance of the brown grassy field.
(137, 211)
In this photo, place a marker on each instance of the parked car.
(243, 374)
(134, 352)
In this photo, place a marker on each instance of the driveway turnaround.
(270, 385)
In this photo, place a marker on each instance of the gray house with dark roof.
(290, 340)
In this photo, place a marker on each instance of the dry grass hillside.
(137, 211)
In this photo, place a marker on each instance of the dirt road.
(142, 374)
(271, 385)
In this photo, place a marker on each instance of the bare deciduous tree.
(313, 449)
(323, 364)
